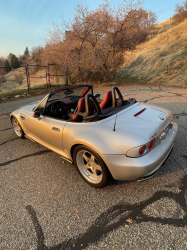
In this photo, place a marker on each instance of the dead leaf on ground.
(155, 211)
(129, 220)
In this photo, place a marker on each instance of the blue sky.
(23, 23)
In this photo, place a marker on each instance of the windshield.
(74, 92)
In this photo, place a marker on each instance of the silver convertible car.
(127, 139)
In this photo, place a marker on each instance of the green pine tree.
(14, 62)
(27, 53)
(7, 64)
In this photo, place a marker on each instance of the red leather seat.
(107, 100)
(81, 108)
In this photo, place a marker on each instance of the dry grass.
(16, 80)
(161, 60)
(12, 80)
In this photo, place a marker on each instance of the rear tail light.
(142, 150)
(150, 146)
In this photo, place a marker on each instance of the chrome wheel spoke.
(85, 157)
(92, 158)
(98, 167)
(94, 171)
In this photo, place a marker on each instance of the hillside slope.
(12, 80)
(161, 60)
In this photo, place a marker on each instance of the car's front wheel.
(90, 166)
(17, 128)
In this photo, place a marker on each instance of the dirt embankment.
(162, 60)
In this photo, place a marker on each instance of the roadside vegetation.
(162, 60)
(180, 12)
(17, 94)
(106, 45)
(90, 47)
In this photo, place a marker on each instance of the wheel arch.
(11, 116)
(73, 148)
(80, 144)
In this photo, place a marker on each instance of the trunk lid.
(148, 124)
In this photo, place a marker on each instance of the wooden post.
(48, 75)
(66, 75)
(56, 73)
(27, 76)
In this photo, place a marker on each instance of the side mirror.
(97, 95)
(36, 114)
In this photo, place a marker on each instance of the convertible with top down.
(115, 136)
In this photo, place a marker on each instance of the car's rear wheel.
(17, 128)
(90, 166)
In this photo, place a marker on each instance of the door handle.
(55, 129)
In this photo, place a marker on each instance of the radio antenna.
(114, 129)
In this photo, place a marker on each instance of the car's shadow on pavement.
(120, 214)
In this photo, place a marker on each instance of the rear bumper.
(126, 168)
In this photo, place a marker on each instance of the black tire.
(96, 174)
(17, 128)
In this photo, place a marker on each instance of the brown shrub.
(180, 12)
(18, 77)
(179, 64)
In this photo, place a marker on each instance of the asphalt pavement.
(44, 204)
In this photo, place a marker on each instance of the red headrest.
(107, 100)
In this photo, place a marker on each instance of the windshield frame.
(72, 87)
(63, 89)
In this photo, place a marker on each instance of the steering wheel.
(116, 102)
(59, 109)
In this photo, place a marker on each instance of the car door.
(47, 130)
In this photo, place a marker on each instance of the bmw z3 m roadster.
(127, 139)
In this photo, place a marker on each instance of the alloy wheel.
(89, 166)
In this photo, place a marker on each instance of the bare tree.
(92, 44)
(36, 53)
(180, 12)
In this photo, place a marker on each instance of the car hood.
(29, 107)
(147, 124)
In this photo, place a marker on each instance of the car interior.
(78, 104)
